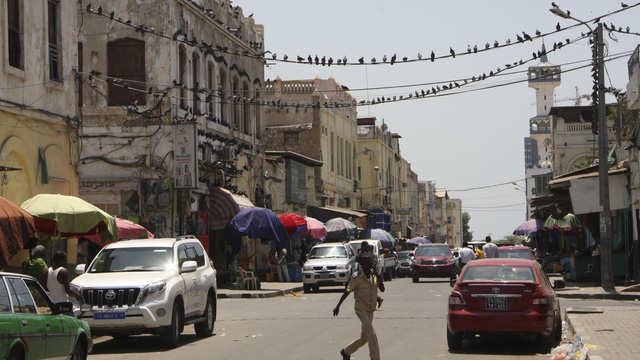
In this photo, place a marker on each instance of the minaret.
(544, 77)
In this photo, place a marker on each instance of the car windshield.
(516, 253)
(432, 250)
(327, 252)
(499, 273)
(403, 256)
(132, 259)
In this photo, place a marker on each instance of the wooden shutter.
(126, 61)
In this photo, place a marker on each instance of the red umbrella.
(17, 230)
(126, 229)
(315, 228)
(293, 223)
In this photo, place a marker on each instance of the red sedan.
(433, 260)
(504, 296)
(521, 252)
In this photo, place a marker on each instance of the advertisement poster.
(185, 156)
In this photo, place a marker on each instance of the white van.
(384, 268)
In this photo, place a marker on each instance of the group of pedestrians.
(466, 254)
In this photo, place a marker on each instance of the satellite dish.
(384, 127)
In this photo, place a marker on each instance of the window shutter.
(126, 61)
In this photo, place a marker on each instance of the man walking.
(283, 270)
(466, 255)
(364, 285)
(490, 249)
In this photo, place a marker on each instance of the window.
(22, 302)
(53, 16)
(258, 118)
(182, 255)
(14, 25)
(235, 87)
(210, 81)
(40, 297)
(195, 76)
(182, 75)
(332, 151)
(5, 304)
(199, 255)
(79, 78)
(245, 109)
(223, 97)
(126, 61)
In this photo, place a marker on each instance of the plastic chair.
(247, 279)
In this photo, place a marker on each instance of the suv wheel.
(306, 288)
(415, 279)
(171, 335)
(205, 328)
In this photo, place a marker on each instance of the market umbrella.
(256, 223)
(293, 223)
(61, 216)
(378, 234)
(315, 228)
(17, 230)
(126, 229)
(568, 222)
(418, 240)
(529, 227)
(339, 228)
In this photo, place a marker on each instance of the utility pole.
(606, 253)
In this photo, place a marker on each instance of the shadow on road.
(498, 345)
(139, 344)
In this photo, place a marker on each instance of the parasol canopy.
(339, 228)
(126, 229)
(568, 222)
(529, 227)
(17, 230)
(315, 228)
(293, 223)
(62, 216)
(418, 240)
(256, 223)
(378, 234)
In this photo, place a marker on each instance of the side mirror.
(63, 308)
(559, 284)
(452, 282)
(411, 254)
(80, 269)
(189, 266)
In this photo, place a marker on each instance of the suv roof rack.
(185, 237)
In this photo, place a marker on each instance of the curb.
(601, 296)
(259, 295)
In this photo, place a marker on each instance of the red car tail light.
(539, 297)
(455, 298)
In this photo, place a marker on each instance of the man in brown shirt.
(364, 285)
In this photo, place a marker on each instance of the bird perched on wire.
(475, 49)
(468, 49)
(623, 5)
(361, 60)
(433, 56)
(558, 27)
(453, 53)
(393, 58)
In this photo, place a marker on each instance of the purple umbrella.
(256, 223)
(529, 227)
(419, 240)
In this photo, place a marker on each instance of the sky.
(472, 139)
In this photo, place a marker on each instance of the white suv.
(149, 286)
(328, 264)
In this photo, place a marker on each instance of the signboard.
(296, 185)
(185, 159)
(402, 211)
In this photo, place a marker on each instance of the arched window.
(182, 74)
(246, 110)
(15, 30)
(126, 61)
(235, 88)
(258, 112)
(211, 76)
(195, 81)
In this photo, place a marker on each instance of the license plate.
(108, 315)
(496, 303)
(322, 276)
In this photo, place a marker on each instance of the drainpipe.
(636, 251)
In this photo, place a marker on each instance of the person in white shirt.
(490, 249)
(466, 255)
(283, 270)
(57, 279)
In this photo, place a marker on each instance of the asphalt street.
(410, 324)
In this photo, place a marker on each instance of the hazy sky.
(461, 141)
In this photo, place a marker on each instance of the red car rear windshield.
(432, 250)
(516, 253)
(499, 273)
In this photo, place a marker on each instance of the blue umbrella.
(419, 240)
(256, 223)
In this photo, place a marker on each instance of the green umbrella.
(568, 222)
(60, 217)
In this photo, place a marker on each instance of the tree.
(466, 234)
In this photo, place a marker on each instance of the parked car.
(33, 327)
(433, 260)
(384, 261)
(521, 252)
(504, 296)
(149, 286)
(328, 264)
(403, 263)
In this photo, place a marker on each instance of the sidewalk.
(610, 332)
(267, 290)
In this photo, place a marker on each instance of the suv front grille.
(319, 268)
(433, 262)
(110, 297)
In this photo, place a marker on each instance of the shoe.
(380, 302)
(345, 356)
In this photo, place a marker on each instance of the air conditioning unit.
(228, 154)
(356, 185)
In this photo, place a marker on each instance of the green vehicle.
(33, 327)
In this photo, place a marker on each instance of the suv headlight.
(343, 267)
(307, 268)
(156, 287)
(451, 261)
(414, 261)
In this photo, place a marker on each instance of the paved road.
(410, 324)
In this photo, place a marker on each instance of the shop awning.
(224, 206)
(325, 213)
